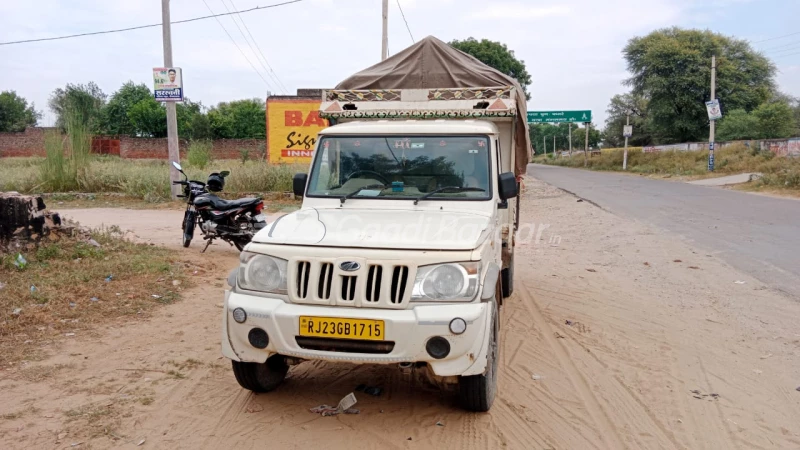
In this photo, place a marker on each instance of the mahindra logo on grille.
(349, 266)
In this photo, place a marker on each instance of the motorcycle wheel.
(186, 240)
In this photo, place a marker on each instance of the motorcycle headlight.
(450, 282)
(262, 273)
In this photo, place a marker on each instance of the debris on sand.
(345, 406)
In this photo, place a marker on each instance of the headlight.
(452, 282)
(262, 273)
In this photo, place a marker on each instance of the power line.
(780, 46)
(252, 49)
(788, 54)
(237, 46)
(778, 52)
(24, 41)
(777, 37)
(404, 20)
(272, 73)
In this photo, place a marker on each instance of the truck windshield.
(402, 167)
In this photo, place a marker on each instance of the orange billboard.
(292, 127)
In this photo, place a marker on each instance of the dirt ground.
(618, 336)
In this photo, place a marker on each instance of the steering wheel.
(378, 176)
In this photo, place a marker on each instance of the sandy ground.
(619, 336)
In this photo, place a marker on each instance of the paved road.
(757, 234)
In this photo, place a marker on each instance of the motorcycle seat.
(224, 205)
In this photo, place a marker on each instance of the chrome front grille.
(374, 284)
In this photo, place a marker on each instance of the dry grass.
(273, 202)
(148, 180)
(53, 295)
(779, 172)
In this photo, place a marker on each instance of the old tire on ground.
(261, 377)
(507, 278)
(477, 392)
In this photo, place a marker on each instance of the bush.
(199, 154)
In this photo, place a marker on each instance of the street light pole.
(172, 118)
(570, 139)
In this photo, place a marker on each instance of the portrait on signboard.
(167, 84)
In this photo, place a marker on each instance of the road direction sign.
(559, 116)
(627, 130)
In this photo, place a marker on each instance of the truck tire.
(507, 278)
(261, 377)
(477, 392)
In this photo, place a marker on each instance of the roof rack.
(448, 103)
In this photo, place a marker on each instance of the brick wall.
(157, 148)
(31, 143)
(28, 143)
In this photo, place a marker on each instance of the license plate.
(334, 327)
(260, 218)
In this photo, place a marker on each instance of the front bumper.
(409, 329)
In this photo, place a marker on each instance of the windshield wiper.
(344, 198)
(448, 188)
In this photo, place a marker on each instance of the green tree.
(15, 114)
(618, 109)
(240, 119)
(148, 118)
(85, 101)
(114, 116)
(775, 120)
(737, 125)
(498, 56)
(672, 69)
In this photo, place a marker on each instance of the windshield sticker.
(402, 143)
(357, 143)
(481, 143)
(418, 145)
(369, 193)
(442, 144)
(473, 151)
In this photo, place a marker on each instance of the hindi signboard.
(168, 84)
(559, 116)
(714, 110)
(627, 131)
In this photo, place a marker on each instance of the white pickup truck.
(402, 251)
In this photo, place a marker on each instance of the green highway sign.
(559, 116)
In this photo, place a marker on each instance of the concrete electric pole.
(713, 122)
(172, 120)
(586, 145)
(625, 154)
(570, 139)
(385, 41)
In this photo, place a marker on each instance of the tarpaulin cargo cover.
(431, 64)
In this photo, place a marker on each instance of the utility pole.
(555, 153)
(385, 43)
(544, 145)
(172, 121)
(625, 154)
(586, 144)
(713, 122)
(570, 139)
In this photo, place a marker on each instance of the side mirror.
(224, 173)
(507, 185)
(177, 166)
(299, 184)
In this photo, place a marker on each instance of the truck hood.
(398, 229)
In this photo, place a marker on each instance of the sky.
(572, 48)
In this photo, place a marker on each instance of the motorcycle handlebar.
(179, 182)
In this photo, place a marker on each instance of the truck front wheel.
(477, 392)
(261, 377)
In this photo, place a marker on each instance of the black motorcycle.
(233, 221)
